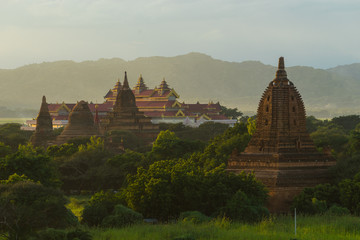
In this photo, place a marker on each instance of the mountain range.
(194, 76)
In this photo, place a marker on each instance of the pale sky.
(318, 33)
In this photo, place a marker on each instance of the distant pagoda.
(281, 152)
(126, 116)
(81, 124)
(44, 128)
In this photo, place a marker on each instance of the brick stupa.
(81, 124)
(44, 128)
(127, 117)
(281, 153)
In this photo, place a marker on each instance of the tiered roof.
(140, 86)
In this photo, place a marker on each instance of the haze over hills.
(194, 76)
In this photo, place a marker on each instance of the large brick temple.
(281, 153)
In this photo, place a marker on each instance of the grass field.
(279, 228)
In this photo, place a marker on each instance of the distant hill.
(194, 76)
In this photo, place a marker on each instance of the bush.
(121, 217)
(337, 210)
(51, 234)
(26, 207)
(100, 206)
(193, 217)
(242, 208)
(78, 234)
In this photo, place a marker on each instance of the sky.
(317, 33)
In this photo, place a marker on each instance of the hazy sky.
(318, 33)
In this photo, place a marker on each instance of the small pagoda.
(44, 128)
(281, 153)
(126, 116)
(81, 124)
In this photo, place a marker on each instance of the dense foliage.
(35, 163)
(181, 174)
(26, 206)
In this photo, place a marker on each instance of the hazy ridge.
(195, 76)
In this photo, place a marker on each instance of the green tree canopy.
(27, 206)
(169, 187)
(167, 145)
(347, 122)
(13, 136)
(233, 113)
(32, 162)
(331, 135)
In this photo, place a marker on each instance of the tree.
(32, 162)
(251, 126)
(167, 145)
(233, 113)
(219, 148)
(350, 194)
(331, 135)
(12, 135)
(64, 150)
(87, 169)
(4, 149)
(312, 124)
(101, 205)
(26, 207)
(170, 187)
(354, 140)
(347, 122)
(317, 200)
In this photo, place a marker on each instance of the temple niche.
(126, 116)
(281, 153)
(81, 124)
(44, 128)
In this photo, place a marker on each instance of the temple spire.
(281, 63)
(44, 107)
(126, 83)
(281, 73)
(44, 127)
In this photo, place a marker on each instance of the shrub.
(78, 234)
(337, 210)
(100, 206)
(193, 217)
(242, 208)
(122, 216)
(51, 234)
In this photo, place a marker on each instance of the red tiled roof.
(203, 107)
(54, 107)
(159, 104)
(101, 107)
(109, 94)
(145, 93)
(160, 114)
(156, 94)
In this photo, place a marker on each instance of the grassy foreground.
(282, 227)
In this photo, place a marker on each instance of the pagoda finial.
(44, 99)
(126, 83)
(281, 63)
(281, 73)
